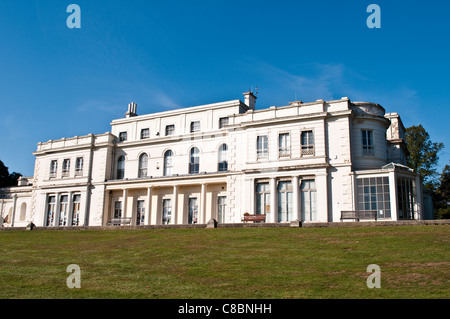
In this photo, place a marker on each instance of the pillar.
(124, 200)
(175, 205)
(273, 218)
(296, 193)
(202, 204)
(148, 206)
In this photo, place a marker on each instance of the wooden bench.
(120, 221)
(254, 218)
(351, 214)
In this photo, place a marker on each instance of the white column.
(393, 194)
(295, 188)
(14, 210)
(70, 213)
(124, 200)
(203, 205)
(175, 205)
(273, 201)
(148, 206)
(57, 210)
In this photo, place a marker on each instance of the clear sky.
(59, 82)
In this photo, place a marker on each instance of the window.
(53, 168)
(309, 200)
(79, 166)
(168, 163)
(285, 201)
(195, 126)
(223, 121)
(63, 210)
(193, 211)
(307, 140)
(76, 209)
(262, 147)
(284, 145)
(221, 205)
(167, 211)
(194, 161)
(51, 209)
(117, 209)
(373, 195)
(122, 136)
(406, 192)
(66, 167)
(367, 142)
(140, 213)
(143, 164)
(223, 162)
(170, 130)
(145, 133)
(121, 167)
(262, 198)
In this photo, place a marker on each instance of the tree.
(423, 154)
(7, 179)
(442, 195)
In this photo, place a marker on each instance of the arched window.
(143, 164)
(168, 163)
(194, 161)
(121, 167)
(223, 161)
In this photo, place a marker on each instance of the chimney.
(250, 99)
(131, 110)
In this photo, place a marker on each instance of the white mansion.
(312, 162)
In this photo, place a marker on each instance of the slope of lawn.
(227, 263)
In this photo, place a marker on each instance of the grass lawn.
(227, 263)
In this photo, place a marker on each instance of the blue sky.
(58, 82)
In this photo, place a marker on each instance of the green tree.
(442, 195)
(7, 179)
(423, 154)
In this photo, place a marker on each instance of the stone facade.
(303, 161)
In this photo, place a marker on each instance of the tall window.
(63, 210)
(51, 209)
(76, 209)
(221, 205)
(307, 139)
(167, 211)
(223, 161)
(373, 195)
(140, 213)
(122, 136)
(223, 121)
(170, 129)
(262, 198)
(285, 201)
(143, 164)
(195, 126)
(367, 142)
(79, 166)
(168, 163)
(193, 211)
(53, 168)
(406, 192)
(117, 209)
(66, 167)
(121, 167)
(309, 200)
(145, 133)
(262, 147)
(194, 161)
(284, 145)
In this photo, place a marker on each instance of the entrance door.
(193, 211)
(309, 200)
(221, 209)
(140, 214)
